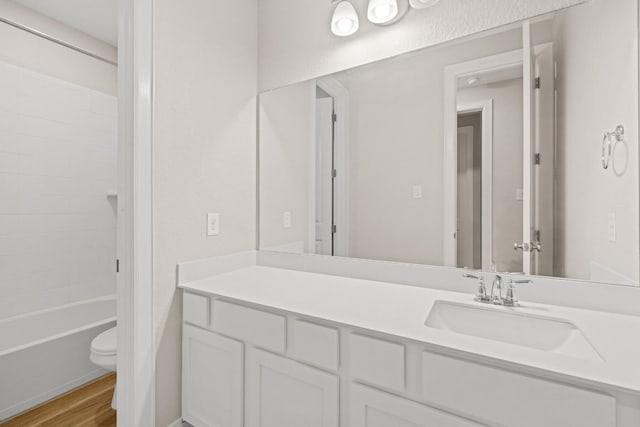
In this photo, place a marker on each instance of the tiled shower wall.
(57, 166)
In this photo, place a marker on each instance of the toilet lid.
(105, 343)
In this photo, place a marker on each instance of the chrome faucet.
(481, 293)
(511, 300)
(496, 297)
(497, 284)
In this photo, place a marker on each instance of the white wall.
(295, 42)
(57, 163)
(507, 167)
(205, 138)
(40, 55)
(597, 54)
(287, 124)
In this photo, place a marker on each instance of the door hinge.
(117, 266)
(334, 229)
(334, 173)
(334, 117)
(536, 235)
(536, 83)
(536, 159)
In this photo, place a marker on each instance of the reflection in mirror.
(490, 152)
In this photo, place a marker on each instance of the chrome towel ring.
(607, 144)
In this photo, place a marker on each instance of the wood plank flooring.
(86, 406)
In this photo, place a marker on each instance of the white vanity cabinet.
(372, 408)
(281, 392)
(251, 366)
(212, 375)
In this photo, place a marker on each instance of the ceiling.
(98, 18)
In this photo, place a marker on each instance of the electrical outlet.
(611, 227)
(286, 220)
(213, 224)
(417, 191)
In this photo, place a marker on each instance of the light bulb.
(344, 25)
(382, 11)
(345, 19)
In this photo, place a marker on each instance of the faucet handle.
(511, 300)
(481, 293)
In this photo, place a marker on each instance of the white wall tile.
(57, 163)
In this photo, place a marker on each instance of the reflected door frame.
(340, 97)
(450, 197)
(485, 107)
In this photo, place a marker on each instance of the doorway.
(328, 209)
(469, 231)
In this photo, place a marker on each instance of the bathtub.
(46, 353)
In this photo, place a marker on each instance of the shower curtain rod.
(55, 40)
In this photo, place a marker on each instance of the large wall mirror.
(513, 150)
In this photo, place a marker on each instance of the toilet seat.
(105, 344)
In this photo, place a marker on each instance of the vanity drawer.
(377, 362)
(266, 330)
(511, 399)
(315, 344)
(195, 309)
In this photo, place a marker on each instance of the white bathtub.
(46, 353)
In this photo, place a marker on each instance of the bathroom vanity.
(267, 346)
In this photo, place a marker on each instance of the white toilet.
(103, 353)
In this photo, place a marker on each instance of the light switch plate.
(286, 220)
(213, 224)
(417, 191)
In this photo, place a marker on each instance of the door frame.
(135, 294)
(340, 96)
(485, 107)
(450, 197)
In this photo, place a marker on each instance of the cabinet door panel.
(373, 408)
(522, 401)
(211, 379)
(284, 393)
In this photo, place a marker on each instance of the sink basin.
(512, 327)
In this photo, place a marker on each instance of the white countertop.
(401, 311)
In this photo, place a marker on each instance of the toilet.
(103, 354)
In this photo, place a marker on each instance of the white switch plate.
(286, 220)
(611, 227)
(417, 191)
(213, 224)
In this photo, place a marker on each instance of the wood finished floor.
(86, 406)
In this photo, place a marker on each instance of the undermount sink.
(512, 327)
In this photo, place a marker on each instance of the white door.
(284, 393)
(465, 231)
(528, 211)
(211, 379)
(372, 408)
(324, 176)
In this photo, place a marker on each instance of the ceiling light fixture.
(382, 11)
(422, 4)
(345, 19)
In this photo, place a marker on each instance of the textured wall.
(205, 137)
(295, 42)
